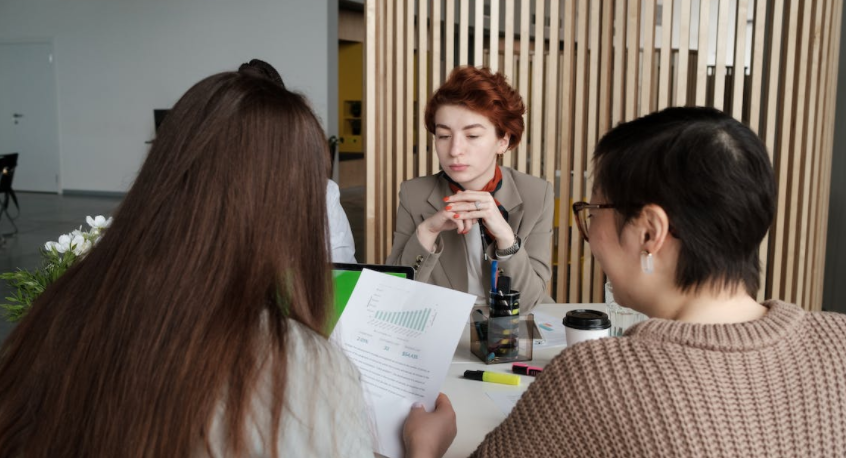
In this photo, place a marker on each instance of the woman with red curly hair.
(451, 225)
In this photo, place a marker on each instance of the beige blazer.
(529, 202)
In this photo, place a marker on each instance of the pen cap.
(504, 284)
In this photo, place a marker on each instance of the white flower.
(80, 245)
(64, 243)
(98, 222)
(50, 246)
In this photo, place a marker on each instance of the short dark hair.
(712, 176)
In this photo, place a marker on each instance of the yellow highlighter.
(493, 377)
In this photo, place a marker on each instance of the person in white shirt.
(340, 234)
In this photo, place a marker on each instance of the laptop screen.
(345, 277)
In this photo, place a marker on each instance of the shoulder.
(528, 184)
(418, 189)
(420, 184)
(305, 346)
(332, 188)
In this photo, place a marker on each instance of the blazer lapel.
(509, 197)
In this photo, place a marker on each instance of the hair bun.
(261, 68)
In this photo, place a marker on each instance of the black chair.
(8, 163)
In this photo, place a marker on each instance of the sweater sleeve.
(552, 418)
(530, 268)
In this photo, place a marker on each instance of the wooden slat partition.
(584, 66)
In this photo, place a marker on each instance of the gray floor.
(45, 217)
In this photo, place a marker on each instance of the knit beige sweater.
(774, 387)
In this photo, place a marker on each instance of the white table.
(475, 411)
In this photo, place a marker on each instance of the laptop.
(345, 277)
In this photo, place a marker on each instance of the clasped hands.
(462, 210)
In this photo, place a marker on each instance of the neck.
(714, 306)
(479, 183)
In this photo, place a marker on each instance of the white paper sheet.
(552, 330)
(402, 335)
(505, 400)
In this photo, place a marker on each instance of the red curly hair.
(485, 92)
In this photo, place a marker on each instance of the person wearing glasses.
(452, 225)
(682, 199)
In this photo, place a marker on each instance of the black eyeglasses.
(582, 218)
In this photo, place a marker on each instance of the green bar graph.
(413, 319)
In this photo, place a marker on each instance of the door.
(28, 114)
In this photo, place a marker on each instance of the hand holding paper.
(402, 335)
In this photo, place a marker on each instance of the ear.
(654, 226)
(502, 144)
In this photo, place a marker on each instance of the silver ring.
(478, 207)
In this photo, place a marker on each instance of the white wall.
(117, 60)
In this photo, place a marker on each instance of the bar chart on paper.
(411, 322)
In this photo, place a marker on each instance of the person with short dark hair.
(682, 199)
(452, 224)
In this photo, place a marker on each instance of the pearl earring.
(646, 263)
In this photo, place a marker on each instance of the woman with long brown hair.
(197, 325)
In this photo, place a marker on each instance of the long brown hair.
(186, 295)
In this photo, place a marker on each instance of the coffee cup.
(585, 324)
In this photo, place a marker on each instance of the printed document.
(402, 335)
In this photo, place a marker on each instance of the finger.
(467, 206)
(472, 215)
(469, 196)
(443, 401)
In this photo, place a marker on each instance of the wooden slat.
(816, 105)
(409, 92)
(579, 113)
(619, 84)
(739, 59)
(665, 90)
(831, 93)
(436, 74)
(646, 97)
(549, 136)
(604, 119)
(783, 290)
(449, 37)
(508, 62)
(400, 150)
(507, 158)
(536, 106)
(463, 32)
(524, 78)
(684, 54)
(370, 116)
(566, 122)
(479, 34)
(380, 128)
(389, 190)
(770, 118)
(493, 43)
(702, 50)
(590, 142)
(824, 101)
(723, 27)
(422, 93)
(632, 69)
(800, 164)
(755, 123)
